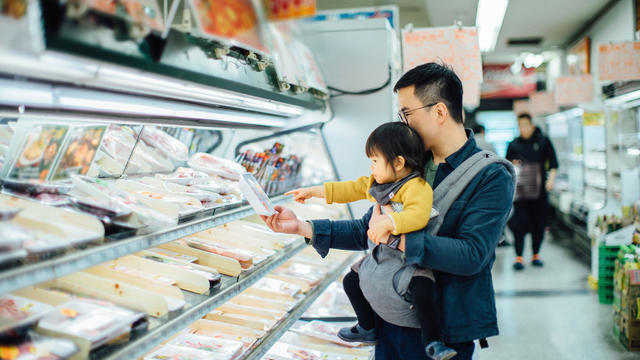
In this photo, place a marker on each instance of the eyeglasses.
(402, 114)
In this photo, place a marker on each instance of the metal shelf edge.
(31, 274)
(276, 333)
(150, 340)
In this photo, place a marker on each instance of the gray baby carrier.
(384, 276)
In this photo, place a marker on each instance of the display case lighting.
(489, 21)
(625, 98)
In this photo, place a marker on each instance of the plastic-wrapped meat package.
(278, 286)
(12, 236)
(16, 310)
(217, 166)
(167, 144)
(333, 302)
(185, 176)
(145, 155)
(213, 278)
(171, 352)
(95, 321)
(105, 192)
(324, 331)
(187, 205)
(244, 257)
(177, 189)
(220, 349)
(282, 351)
(37, 347)
(299, 270)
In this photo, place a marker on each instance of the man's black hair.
(435, 83)
(478, 129)
(525, 116)
(394, 139)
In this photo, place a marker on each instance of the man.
(478, 134)
(535, 150)
(463, 252)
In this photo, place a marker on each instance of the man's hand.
(286, 221)
(378, 217)
(302, 194)
(380, 231)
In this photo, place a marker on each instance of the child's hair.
(394, 139)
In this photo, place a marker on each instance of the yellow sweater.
(416, 197)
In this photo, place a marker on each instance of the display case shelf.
(197, 307)
(30, 274)
(264, 344)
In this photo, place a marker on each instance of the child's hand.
(301, 194)
(380, 231)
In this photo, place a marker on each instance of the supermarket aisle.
(550, 312)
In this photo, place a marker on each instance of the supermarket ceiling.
(555, 21)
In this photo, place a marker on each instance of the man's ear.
(398, 163)
(442, 112)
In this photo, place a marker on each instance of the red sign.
(501, 83)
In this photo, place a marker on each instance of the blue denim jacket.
(462, 253)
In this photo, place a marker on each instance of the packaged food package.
(167, 144)
(211, 275)
(220, 349)
(250, 321)
(16, 311)
(185, 176)
(106, 207)
(36, 156)
(12, 236)
(256, 196)
(181, 190)
(160, 199)
(282, 351)
(179, 353)
(173, 255)
(78, 151)
(323, 330)
(244, 257)
(333, 302)
(244, 340)
(37, 347)
(232, 308)
(302, 271)
(277, 286)
(211, 164)
(119, 143)
(106, 192)
(89, 323)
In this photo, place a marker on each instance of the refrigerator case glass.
(623, 128)
(79, 151)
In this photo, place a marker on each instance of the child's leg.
(364, 312)
(423, 294)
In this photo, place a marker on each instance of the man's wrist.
(305, 229)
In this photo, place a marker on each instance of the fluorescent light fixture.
(531, 60)
(489, 21)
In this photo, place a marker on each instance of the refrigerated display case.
(623, 119)
(125, 191)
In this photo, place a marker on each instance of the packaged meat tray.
(171, 352)
(185, 176)
(220, 349)
(214, 165)
(11, 237)
(36, 186)
(282, 351)
(213, 278)
(38, 347)
(324, 331)
(167, 144)
(182, 190)
(278, 286)
(244, 257)
(16, 311)
(90, 322)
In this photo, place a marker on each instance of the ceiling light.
(489, 20)
(532, 60)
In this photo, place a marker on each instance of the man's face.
(422, 120)
(526, 127)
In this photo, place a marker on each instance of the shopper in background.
(463, 251)
(533, 154)
(478, 134)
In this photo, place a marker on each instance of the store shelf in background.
(30, 274)
(264, 344)
(197, 307)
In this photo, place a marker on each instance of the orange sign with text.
(457, 47)
(619, 62)
(542, 103)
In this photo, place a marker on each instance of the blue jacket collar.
(454, 160)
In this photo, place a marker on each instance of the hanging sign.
(573, 90)
(471, 94)
(521, 107)
(619, 62)
(457, 47)
(542, 103)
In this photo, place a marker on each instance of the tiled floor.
(549, 312)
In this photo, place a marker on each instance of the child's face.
(381, 170)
